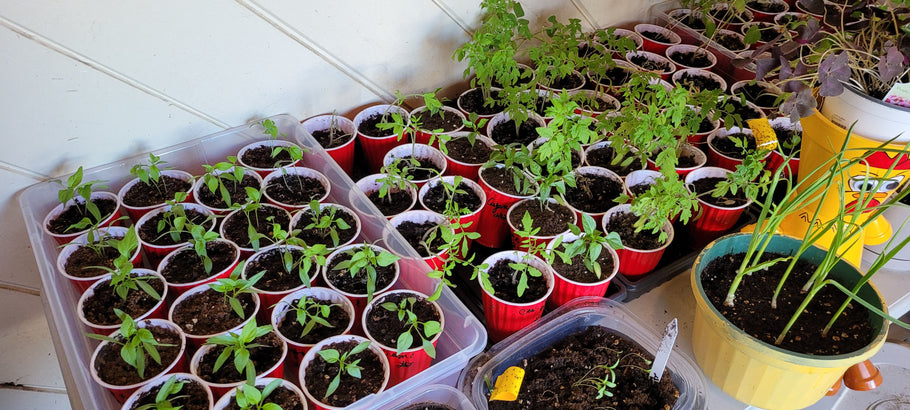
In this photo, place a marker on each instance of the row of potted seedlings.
(213, 288)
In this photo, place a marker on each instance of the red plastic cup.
(465, 169)
(759, 15)
(504, 317)
(178, 289)
(266, 143)
(635, 263)
(315, 402)
(712, 220)
(358, 300)
(565, 290)
(122, 392)
(136, 212)
(493, 228)
(716, 158)
(297, 350)
(196, 340)
(200, 184)
(84, 283)
(376, 146)
(298, 221)
(269, 298)
(370, 184)
(230, 398)
(65, 238)
(654, 46)
(698, 72)
(421, 152)
(423, 136)
(344, 153)
(768, 87)
(404, 365)
(301, 171)
(156, 253)
(419, 217)
(467, 113)
(469, 222)
(673, 50)
(220, 389)
(156, 383)
(246, 253)
(598, 172)
(687, 150)
(665, 75)
(535, 239)
(155, 312)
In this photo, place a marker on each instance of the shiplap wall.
(90, 82)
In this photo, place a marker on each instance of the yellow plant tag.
(765, 137)
(508, 384)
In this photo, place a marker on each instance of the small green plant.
(234, 286)
(75, 187)
(311, 255)
(238, 345)
(174, 221)
(405, 311)
(166, 396)
(135, 343)
(217, 178)
(200, 238)
(250, 398)
(395, 178)
(514, 158)
(364, 258)
(665, 199)
(325, 222)
(603, 384)
(309, 313)
(251, 208)
(521, 270)
(345, 364)
(589, 245)
(149, 173)
(122, 279)
(293, 151)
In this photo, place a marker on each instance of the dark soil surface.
(208, 313)
(357, 284)
(276, 278)
(142, 194)
(726, 146)
(541, 106)
(261, 157)
(752, 311)
(428, 406)
(623, 224)
(730, 42)
(567, 82)
(639, 189)
(394, 203)
(385, 326)
(786, 137)
(691, 59)
(766, 7)
(424, 170)
(443, 120)
(81, 261)
(693, 22)
(696, 83)
(314, 236)
(283, 397)
(593, 193)
(291, 329)
(655, 36)
(744, 111)
(113, 370)
(706, 125)
(435, 199)
(551, 376)
(99, 308)
(506, 289)
(723, 14)
(329, 139)
(237, 193)
(705, 185)
(767, 31)
(320, 373)
(578, 272)
(263, 358)
(295, 189)
(506, 133)
(615, 76)
(415, 234)
(650, 65)
(369, 126)
(187, 267)
(684, 162)
(758, 95)
(500, 178)
(192, 396)
(236, 227)
(603, 157)
(473, 101)
(460, 149)
(552, 218)
(149, 233)
(74, 213)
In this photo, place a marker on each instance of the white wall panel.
(19, 266)
(607, 13)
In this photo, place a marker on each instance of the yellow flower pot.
(758, 373)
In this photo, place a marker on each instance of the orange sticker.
(765, 137)
(508, 384)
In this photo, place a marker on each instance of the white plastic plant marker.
(663, 352)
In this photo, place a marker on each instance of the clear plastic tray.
(571, 318)
(463, 337)
(435, 393)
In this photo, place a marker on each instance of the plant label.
(508, 384)
(663, 352)
(765, 137)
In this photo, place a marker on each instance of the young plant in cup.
(325, 224)
(171, 392)
(362, 263)
(137, 345)
(347, 365)
(406, 326)
(224, 184)
(80, 207)
(272, 154)
(153, 186)
(584, 262)
(83, 260)
(253, 352)
(255, 227)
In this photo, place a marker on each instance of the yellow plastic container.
(758, 373)
(822, 139)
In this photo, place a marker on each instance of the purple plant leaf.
(799, 105)
(763, 66)
(832, 72)
(809, 33)
(891, 65)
